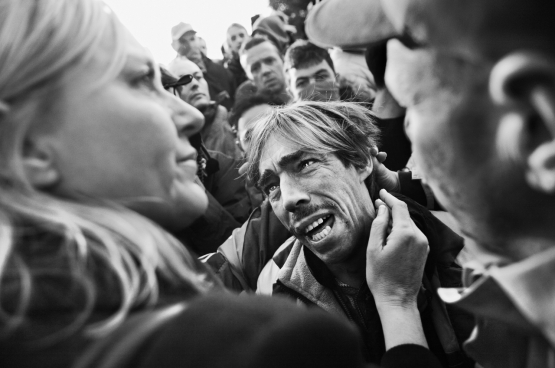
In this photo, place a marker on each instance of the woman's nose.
(187, 119)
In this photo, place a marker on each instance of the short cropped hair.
(344, 129)
(248, 103)
(255, 41)
(304, 54)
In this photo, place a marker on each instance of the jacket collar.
(521, 294)
(297, 275)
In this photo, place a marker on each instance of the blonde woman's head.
(87, 132)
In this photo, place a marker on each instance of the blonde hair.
(89, 250)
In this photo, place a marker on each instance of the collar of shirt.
(521, 294)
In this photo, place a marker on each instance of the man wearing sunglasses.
(478, 80)
(187, 45)
(193, 89)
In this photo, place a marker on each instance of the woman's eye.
(145, 79)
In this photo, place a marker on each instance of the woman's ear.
(39, 163)
(524, 83)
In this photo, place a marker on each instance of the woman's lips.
(188, 165)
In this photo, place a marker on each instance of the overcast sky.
(151, 20)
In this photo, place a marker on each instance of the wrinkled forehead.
(274, 150)
(475, 28)
(261, 51)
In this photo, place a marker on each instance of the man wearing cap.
(332, 24)
(477, 78)
(220, 80)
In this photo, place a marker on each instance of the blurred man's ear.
(524, 83)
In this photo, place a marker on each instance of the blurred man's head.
(196, 92)
(185, 42)
(263, 65)
(479, 92)
(310, 72)
(246, 112)
(236, 34)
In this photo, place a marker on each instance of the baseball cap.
(180, 29)
(465, 27)
(348, 24)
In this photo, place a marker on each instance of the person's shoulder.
(253, 331)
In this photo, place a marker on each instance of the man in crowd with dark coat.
(220, 80)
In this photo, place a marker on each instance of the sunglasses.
(178, 84)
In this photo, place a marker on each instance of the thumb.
(378, 232)
(243, 169)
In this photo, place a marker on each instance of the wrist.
(396, 305)
(406, 318)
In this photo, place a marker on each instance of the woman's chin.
(188, 207)
(184, 206)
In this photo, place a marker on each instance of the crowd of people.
(377, 195)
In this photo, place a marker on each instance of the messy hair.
(68, 252)
(304, 54)
(344, 129)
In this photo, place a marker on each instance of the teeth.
(316, 223)
(322, 234)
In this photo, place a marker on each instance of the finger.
(243, 168)
(378, 232)
(399, 210)
(374, 151)
(381, 156)
(378, 202)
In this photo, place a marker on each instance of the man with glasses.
(478, 82)
(477, 78)
(216, 133)
(220, 81)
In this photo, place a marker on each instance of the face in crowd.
(188, 45)
(264, 66)
(195, 93)
(235, 37)
(323, 201)
(477, 143)
(315, 82)
(245, 122)
(141, 156)
(202, 45)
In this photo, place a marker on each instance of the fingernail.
(381, 209)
